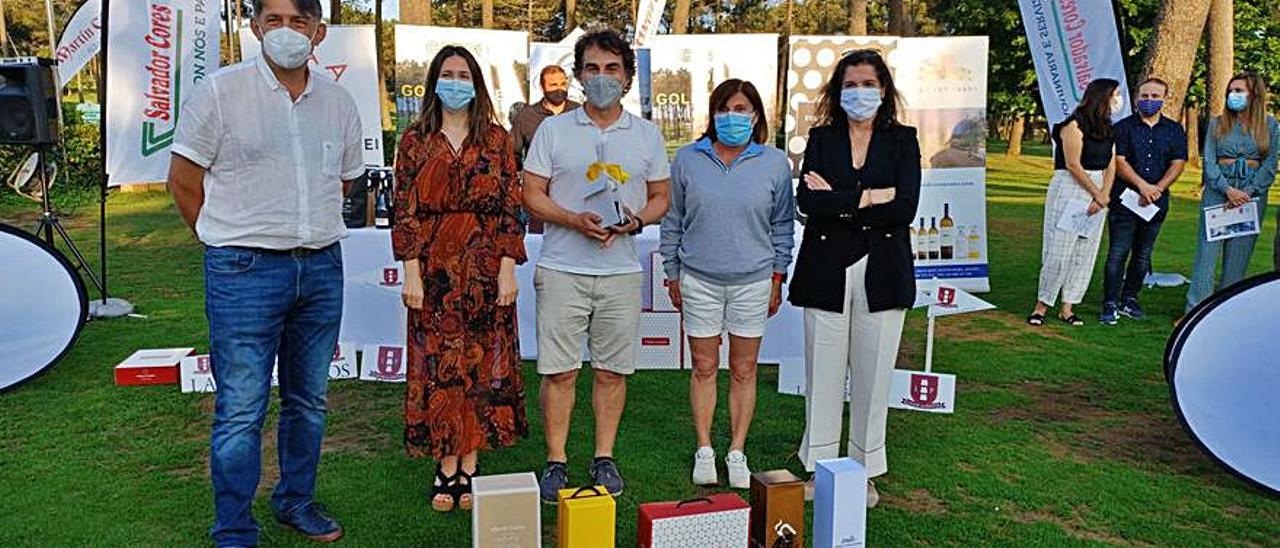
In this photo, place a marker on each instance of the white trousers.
(863, 346)
(1066, 258)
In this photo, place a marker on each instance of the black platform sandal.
(444, 496)
(463, 494)
(1036, 320)
(1073, 320)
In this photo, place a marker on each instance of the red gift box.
(715, 521)
(152, 366)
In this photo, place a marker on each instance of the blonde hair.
(1253, 117)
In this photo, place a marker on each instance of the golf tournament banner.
(1073, 42)
(943, 84)
(348, 55)
(80, 40)
(686, 68)
(160, 51)
(503, 54)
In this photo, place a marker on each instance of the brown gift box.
(777, 510)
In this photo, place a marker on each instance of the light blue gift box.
(840, 504)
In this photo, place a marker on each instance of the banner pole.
(928, 347)
(103, 178)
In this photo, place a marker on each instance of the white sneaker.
(739, 474)
(704, 467)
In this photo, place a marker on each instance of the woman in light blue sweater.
(726, 246)
(1239, 166)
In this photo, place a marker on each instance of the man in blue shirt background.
(1151, 152)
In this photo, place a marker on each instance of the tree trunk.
(415, 12)
(460, 15)
(1221, 52)
(570, 15)
(335, 12)
(384, 102)
(900, 23)
(1192, 125)
(680, 19)
(486, 14)
(857, 17)
(1173, 47)
(1015, 136)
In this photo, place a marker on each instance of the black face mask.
(556, 97)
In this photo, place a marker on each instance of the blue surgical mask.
(1237, 101)
(860, 103)
(734, 128)
(455, 95)
(603, 91)
(1150, 107)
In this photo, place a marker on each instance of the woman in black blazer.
(855, 274)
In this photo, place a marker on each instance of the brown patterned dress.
(457, 214)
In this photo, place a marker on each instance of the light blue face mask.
(734, 128)
(603, 91)
(860, 103)
(455, 95)
(1237, 101)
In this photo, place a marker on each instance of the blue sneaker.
(1109, 314)
(1131, 310)
(554, 478)
(605, 472)
(312, 522)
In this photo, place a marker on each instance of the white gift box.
(662, 344)
(659, 297)
(506, 512)
(840, 504)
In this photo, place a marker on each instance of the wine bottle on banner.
(915, 246)
(935, 244)
(975, 244)
(382, 212)
(921, 243)
(947, 234)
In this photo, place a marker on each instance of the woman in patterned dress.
(459, 237)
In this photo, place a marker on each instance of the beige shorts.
(605, 309)
(710, 308)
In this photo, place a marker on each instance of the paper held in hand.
(1077, 220)
(1223, 223)
(1133, 201)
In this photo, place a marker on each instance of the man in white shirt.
(589, 276)
(257, 171)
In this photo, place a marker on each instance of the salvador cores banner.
(348, 55)
(943, 83)
(159, 51)
(1073, 42)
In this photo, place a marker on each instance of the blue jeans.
(261, 305)
(1133, 239)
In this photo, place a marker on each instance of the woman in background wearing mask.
(726, 246)
(1084, 169)
(1239, 166)
(458, 234)
(855, 273)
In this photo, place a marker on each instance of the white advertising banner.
(545, 54)
(687, 67)
(943, 83)
(503, 54)
(648, 17)
(1073, 42)
(80, 40)
(349, 56)
(160, 51)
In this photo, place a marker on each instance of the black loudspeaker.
(28, 101)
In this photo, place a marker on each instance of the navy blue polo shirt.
(1149, 150)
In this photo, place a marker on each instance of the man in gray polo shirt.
(589, 276)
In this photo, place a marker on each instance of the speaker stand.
(49, 223)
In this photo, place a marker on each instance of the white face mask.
(287, 47)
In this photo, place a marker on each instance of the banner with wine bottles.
(943, 83)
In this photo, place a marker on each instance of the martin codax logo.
(164, 78)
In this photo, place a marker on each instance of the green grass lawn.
(1063, 436)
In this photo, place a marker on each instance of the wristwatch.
(639, 226)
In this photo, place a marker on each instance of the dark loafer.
(312, 522)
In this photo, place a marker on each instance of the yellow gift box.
(587, 518)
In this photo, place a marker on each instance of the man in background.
(555, 100)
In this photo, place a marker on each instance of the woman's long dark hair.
(1093, 114)
(829, 111)
(480, 112)
(720, 98)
